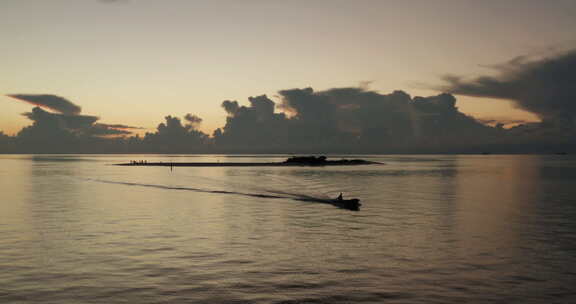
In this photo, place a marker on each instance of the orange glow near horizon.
(150, 60)
(12, 122)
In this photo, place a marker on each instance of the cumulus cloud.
(172, 136)
(63, 128)
(77, 125)
(544, 87)
(250, 126)
(52, 102)
(66, 119)
(346, 119)
(302, 120)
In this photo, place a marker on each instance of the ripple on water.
(432, 229)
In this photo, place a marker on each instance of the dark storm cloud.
(338, 120)
(172, 136)
(65, 121)
(545, 87)
(77, 124)
(50, 131)
(52, 102)
(67, 118)
(344, 115)
(308, 106)
(250, 126)
(231, 107)
(346, 119)
(262, 105)
(65, 131)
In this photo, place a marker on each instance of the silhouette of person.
(340, 197)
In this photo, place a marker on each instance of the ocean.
(431, 229)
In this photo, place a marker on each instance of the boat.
(352, 204)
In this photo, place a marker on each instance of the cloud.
(193, 120)
(544, 87)
(501, 121)
(302, 120)
(347, 119)
(52, 102)
(4, 138)
(250, 126)
(172, 136)
(65, 121)
(121, 126)
(104, 129)
(64, 130)
(67, 118)
(79, 125)
(50, 131)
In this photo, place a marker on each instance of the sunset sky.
(135, 61)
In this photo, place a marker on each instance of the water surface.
(432, 229)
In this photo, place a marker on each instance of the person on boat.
(340, 197)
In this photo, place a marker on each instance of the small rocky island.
(323, 161)
(292, 161)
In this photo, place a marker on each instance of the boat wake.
(273, 195)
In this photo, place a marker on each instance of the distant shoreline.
(168, 164)
(243, 154)
(290, 162)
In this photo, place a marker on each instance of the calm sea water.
(432, 229)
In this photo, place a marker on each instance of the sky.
(133, 62)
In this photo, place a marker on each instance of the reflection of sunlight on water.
(493, 196)
(450, 228)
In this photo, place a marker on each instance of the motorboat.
(352, 204)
